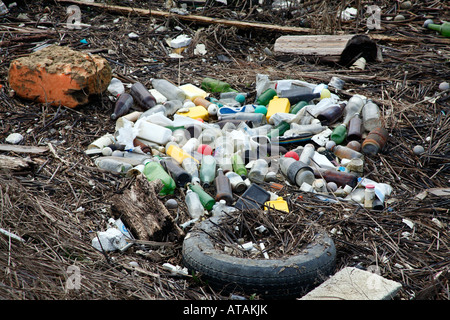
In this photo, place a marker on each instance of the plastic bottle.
(369, 196)
(297, 172)
(223, 152)
(331, 114)
(279, 130)
(168, 89)
(115, 87)
(214, 85)
(191, 145)
(343, 152)
(195, 207)
(307, 153)
(220, 207)
(371, 116)
(339, 134)
(178, 154)
(223, 188)
(297, 107)
(238, 184)
(443, 29)
(340, 178)
(256, 118)
(142, 96)
(178, 174)
(354, 128)
(208, 170)
(354, 105)
(265, 97)
(113, 165)
(206, 200)
(153, 170)
(122, 106)
(191, 167)
(239, 165)
(375, 141)
(209, 136)
(315, 109)
(298, 93)
(172, 106)
(154, 133)
(258, 171)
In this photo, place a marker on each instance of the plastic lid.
(370, 186)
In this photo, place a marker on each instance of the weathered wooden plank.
(312, 45)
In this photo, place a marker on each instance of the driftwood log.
(143, 212)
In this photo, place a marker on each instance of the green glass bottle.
(279, 130)
(207, 201)
(239, 165)
(297, 107)
(339, 134)
(265, 97)
(214, 85)
(153, 170)
(443, 29)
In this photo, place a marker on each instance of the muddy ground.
(60, 199)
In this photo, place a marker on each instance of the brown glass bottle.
(223, 188)
(331, 114)
(340, 178)
(122, 106)
(375, 141)
(354, 131)
(142, 96)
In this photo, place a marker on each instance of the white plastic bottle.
(153, 132)
(195, 207)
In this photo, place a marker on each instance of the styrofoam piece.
(355, 284)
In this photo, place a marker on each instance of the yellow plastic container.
(197, 112)
(279, 204)
(178, 154)
(193, 92)
(277, 105)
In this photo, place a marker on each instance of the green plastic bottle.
(265, 97)
(153, 170)
(279, 130)
(339, 134)
(239, 165)
(443, 29)
(297, 107)
(214, 85)
(207, 201)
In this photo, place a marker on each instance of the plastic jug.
(153, 132)
(153, 170)
(277, 105)
(197, 112)
(191, 91)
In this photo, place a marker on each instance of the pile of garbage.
(223, 149)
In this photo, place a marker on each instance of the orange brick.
(59, 76)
